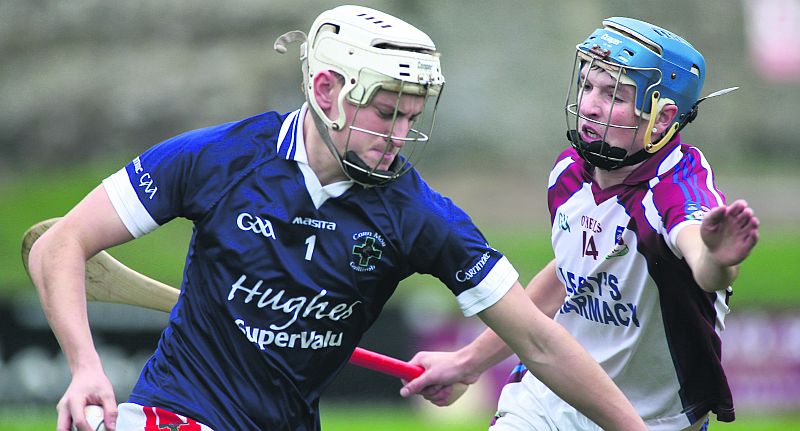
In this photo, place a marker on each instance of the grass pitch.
(383, 418)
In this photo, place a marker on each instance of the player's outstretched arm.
(443, 369)
(57, 263)
(715, 248)
(556, 359)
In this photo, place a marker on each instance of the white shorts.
(133, 417)
(531, 406)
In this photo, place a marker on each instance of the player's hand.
(87, 387)
(730, 232)
(443, 382)
(444, 395)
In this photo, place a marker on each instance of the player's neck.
(320, 159)
(605, 179)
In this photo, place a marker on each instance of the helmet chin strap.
(358, 171)
(352, 165)
(603, 155)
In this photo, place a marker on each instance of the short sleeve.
(685, 194)
(180, 177)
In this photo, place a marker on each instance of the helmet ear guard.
(650, 146)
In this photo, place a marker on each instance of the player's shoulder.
(244, 135)
(568, 159)
(686, 181)
(680, 163)
(412, 195)
(409, 189)
(567, 152)
(568, 162)
(227, 147)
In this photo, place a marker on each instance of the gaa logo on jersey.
(255, 224)
(563, 221)
(367, 250)
(695, 211)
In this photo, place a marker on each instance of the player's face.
(378, 151)
(596, 102)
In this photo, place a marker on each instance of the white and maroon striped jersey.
(631, 299)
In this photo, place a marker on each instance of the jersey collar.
(657, 165)
(292, 146)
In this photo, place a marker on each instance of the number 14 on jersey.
(589, 247)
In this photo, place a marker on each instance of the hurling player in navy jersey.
(645, 246)
(304, 224)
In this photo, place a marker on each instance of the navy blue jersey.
(283, 275)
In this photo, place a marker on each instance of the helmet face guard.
(371, 51)
(413, 144)
(663, 68)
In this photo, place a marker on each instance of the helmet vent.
(371, 19)
(385, 45)
(326, 27)
(329, 27)
(627, 32)
(664, 33)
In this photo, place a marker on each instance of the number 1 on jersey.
(310, 242)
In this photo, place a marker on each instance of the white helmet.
(371, 50)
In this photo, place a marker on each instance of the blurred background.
(87, 85)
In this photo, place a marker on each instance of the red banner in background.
(761, 355)
(773, 32)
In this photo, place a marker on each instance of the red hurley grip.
(385, 364)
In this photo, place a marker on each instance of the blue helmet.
(664, 68)
(654, 58)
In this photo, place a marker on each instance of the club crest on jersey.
(695, 211)
(367, 250)
(620, 248)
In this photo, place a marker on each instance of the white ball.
(94, 415)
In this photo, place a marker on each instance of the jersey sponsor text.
(591, 224)
(320, 224)
(302, 340)
(299, 306)
(597, 298)
(462, 275)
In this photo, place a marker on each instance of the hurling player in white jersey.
(645, 246)
(304, 224)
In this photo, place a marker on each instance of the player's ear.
(326, 88)
(665, 118)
